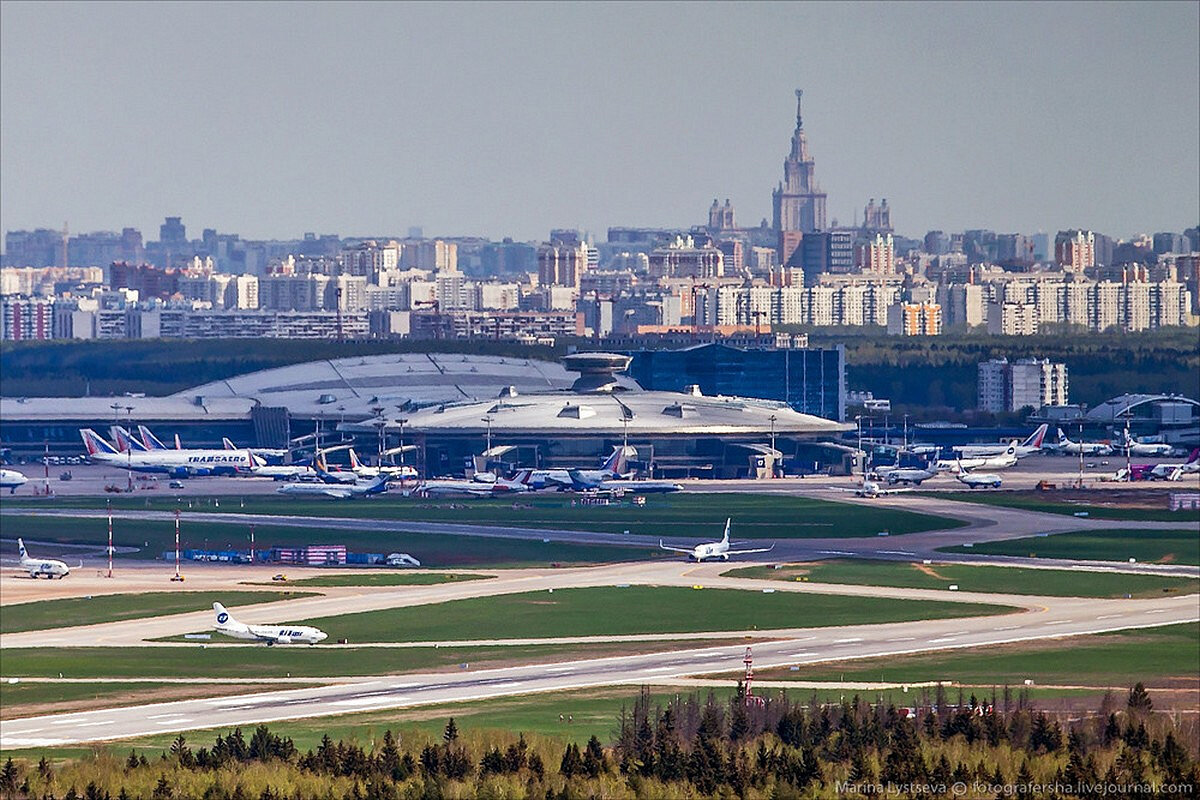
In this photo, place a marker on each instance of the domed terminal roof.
(597, 371)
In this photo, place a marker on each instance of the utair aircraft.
(176, 463)
(1136, 448)
(1065, 445)
(271, 634)
(12, 480)
(614, 467)
(1001, 461)
(50, 567)
(391, 472)
(716, 551)
(1031, 445)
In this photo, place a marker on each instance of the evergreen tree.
(131, 763)
(594, 761)
(1139, 699)
(162, 790)
(572, 762)
(450, 734)
(1173, 760)
(10, 776)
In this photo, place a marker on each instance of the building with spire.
(798, 201)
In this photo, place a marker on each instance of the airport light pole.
(906, 431)
(774, 470)
(381, 425)
(110, 547)
(177, 577)
(1081, 452)
(488, 421)
(129, 447)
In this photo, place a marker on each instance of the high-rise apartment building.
(876, 255)
(914, 319)
(1075, 250)
(561, 264)
(1012, 319)
(1004, 386)
(798, 202)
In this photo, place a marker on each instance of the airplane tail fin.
(1194, 457)
(125, 440)
(178, 446)
(95, 444)
(1035, 439)
(222, 614)
(21, 548)
(355, 464)
(229, 445)
(615, 463)
(1062, 437)
(725, 538)
(150, 441)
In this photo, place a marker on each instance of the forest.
(691, 747)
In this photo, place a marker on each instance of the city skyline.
(379, 139)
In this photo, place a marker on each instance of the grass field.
(1151, 546)
(683, 514)
(365, 578)
(257, 662)
(1011, 580)
(1038, 502)
(44, 614)
(434, 550)
(1166, 656)
(631, 610)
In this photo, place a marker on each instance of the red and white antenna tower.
(749, 698)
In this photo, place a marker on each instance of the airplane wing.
(674, 549)
(756, 550)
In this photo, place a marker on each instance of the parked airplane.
(12, 480)
(518, 483)
(1136, 448)
(718, 551)
(1174, 472)
(176, 463)
(1002, 461)
(271, 634)
(332, 476)
(50, 567)
(613, 467)
(1065, 445)
(905, 475)
(277, 454)
(581, 484)
(1033, 444)
(282, 472)
(393, 472)
(341, 491)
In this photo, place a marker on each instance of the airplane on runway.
(12, 480)
(979, 480)
(339, 491)
(271, 634)
(1002, 461)
(1065, 445)
(50, 567)
(718, 551)
(1031, 445)
(176, 463)
(869, 489)
(905, 475)
(393, 473)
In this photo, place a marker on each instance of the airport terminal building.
(447, 409)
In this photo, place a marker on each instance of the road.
(1059, 617)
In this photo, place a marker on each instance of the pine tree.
(9, 777)
(572, 762)
(162, 790)
(594, 761)
(1139, 699)
(450, 734)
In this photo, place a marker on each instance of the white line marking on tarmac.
(801, 655)
(171, 721)
(163, 716)
(846, 641)
(903, 639)
(897, 552)
(1059, 622)
(1110, 616)
(943, 639)
(1157, 611)
(1008, 628)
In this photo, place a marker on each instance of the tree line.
(689, 746)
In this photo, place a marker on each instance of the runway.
(1062, 617)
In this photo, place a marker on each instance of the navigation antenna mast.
(177, 577)
(748, 697)
(110, 547)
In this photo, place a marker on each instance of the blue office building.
(811, 380)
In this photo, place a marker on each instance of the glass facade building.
(811, 381)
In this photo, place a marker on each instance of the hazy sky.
(507, 120)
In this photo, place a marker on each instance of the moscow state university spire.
(799, 203)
